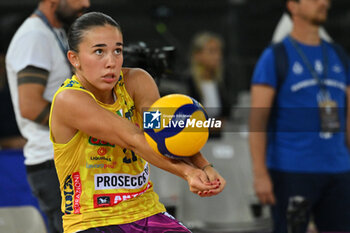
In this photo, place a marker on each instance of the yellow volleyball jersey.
(101, 183)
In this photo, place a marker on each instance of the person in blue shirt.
(299, 127)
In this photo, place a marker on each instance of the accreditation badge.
(329, 115)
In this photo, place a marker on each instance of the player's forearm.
(176, 167)
(198, 160)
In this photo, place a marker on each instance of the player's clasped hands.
(205, 183)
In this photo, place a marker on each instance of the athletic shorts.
(159, 223)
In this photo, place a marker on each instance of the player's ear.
(73, 59)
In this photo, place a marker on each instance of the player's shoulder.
(71, 84)
(71, 92)
(133, 76)
(134, 73)
(138, 80)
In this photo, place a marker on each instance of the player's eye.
(98, 51)
(118, 51)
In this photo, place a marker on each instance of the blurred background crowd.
(244, 27)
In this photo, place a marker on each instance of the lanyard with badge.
(63, 46)
(328, 108)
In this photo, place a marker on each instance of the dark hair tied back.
(86, 22)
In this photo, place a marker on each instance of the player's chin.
(109, 81)
(107, 86)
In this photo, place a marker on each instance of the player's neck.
(48, 9)
(306, 33)
(105, 96)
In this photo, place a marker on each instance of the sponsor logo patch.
(100, 158)
(103, 201)
(77, 195)
(99, 142)
(101, 165)
(102, 151)
(68, 192)
(111, 199)
(72, 193)
(121, 180)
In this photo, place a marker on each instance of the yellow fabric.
(103, 184)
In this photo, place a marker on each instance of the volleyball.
(176, 126)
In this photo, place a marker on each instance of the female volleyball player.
(101, 154)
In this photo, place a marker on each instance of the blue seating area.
(14, 187)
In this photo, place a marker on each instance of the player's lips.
(109, 77)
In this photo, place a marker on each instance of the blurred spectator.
(36, 66)
(299, 125)
(206, 79)
(285, 25)
(10, 137)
